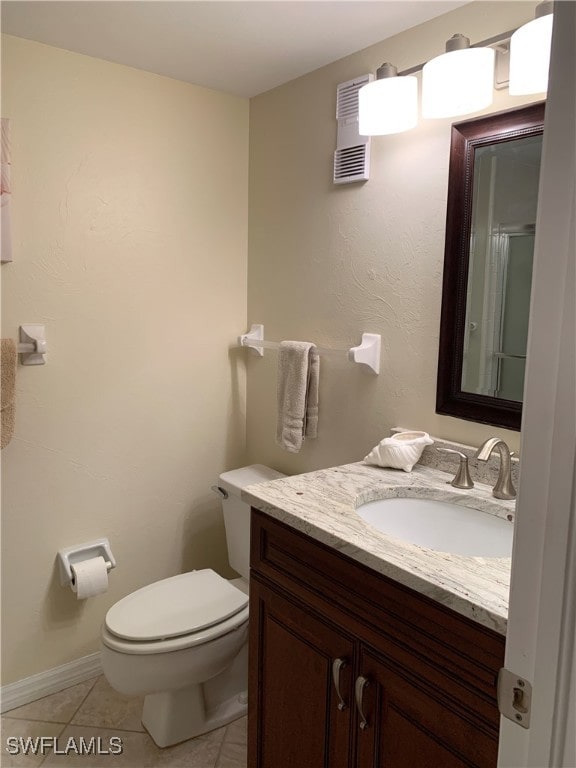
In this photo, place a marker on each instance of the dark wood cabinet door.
(295, 720)
(411, 724)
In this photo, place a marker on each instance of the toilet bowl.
(182, 642)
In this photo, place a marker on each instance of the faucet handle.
(462, 478)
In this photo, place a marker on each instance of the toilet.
(182, 642)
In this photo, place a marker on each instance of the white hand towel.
(298, 376)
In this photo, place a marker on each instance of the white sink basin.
(441, 525)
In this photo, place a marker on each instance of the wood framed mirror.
(491, 212)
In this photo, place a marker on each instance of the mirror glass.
(492, 202)
(504, 203)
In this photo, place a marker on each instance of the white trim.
(540, 638)
(51, 681)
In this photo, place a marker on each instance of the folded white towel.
(298, 375)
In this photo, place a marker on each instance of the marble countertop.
(322, 505)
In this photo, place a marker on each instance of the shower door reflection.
(500, 270)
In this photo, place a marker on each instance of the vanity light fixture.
(388, 104)
(530, 53)
(459, 81)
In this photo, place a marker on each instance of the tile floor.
(94, 709)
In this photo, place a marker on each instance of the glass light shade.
(530, 57)
(388, 106)
(458, 82)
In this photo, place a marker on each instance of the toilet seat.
(175, 613)
(176, 643)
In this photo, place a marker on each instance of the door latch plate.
(514, 697)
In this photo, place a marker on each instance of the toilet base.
(175, 716)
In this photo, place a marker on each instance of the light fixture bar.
(501, 38)
(461, 80)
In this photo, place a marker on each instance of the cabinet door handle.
(337, 666)
(361, 684)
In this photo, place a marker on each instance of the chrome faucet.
(503, 488)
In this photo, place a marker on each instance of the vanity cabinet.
(350, 669)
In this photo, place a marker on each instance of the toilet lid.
(176, 606)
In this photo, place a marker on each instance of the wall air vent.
(352, 155)
(351, 164)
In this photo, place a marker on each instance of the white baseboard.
(51, 681)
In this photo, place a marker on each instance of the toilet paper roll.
(89, 577)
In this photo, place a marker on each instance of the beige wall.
(327, 263)
(130, 238)
(130, 228)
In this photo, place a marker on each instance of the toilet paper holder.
(71, 555)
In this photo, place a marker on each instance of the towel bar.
(366, 353)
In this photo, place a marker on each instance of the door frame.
(542, 616)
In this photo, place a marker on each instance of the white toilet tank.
(237, 512)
